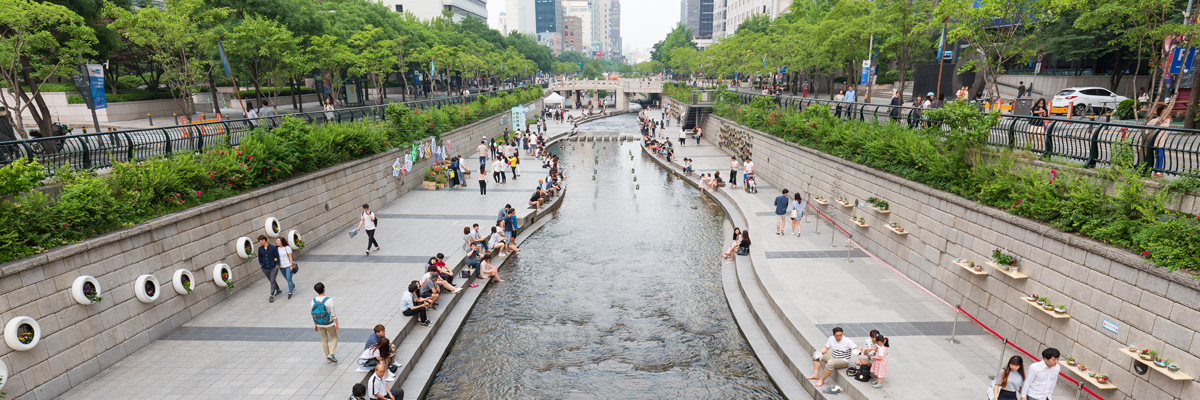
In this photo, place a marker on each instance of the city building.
(698, 15)
(720, 9)
(572, 34)
(737, 11)
(581, 9)
(614, 31)
(520, 17)
(549, 20)
(430, 9)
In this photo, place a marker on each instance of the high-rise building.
(549, 15)
(430, 9)
(614, 30)
(737, 11)
(520, 16)
(698, 15)
(572, 33)
(720, 9)
(582, 10)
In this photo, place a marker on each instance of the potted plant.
(1102, 378)
(1173, 367)
(22, 333)
(976, 267)
(1132, 349)
(1091, 374)
(1032, 297)
(872, 200)
(882, 205)
(183, 281)
(1041, 300)
(271, 226)
(1061, 309)
(434, 178)
(244, 247)
(1160, 362)
(295, 239)
(1006, 260)
(1071, 361)
(223, 276)
(1145, 355)
(1048, 306)
(1082, 367)
(86, 290)
(146, 288)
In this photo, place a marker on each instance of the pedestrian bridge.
(573, 90)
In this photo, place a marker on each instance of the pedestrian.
(733, 167)
(963, 93)
(251, 113)
(879, 360)
(781, 205)
(268, 260)
(368, 221)
(266, 112)
(498, 171)
(325, 322)
(699, 134)
(682, 137)
(851, 96)
(329, 114)
(1008, 382)
(747, 171)
(804, 88)
(512, 162)
(482, 180)
(1042, 377)
(379, 386)
(796, 212)
(1021, 90)
(285, 263)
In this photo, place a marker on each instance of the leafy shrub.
(22, 175)
(1124, 109)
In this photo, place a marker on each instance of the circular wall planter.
(244, 247)
(3, 374)
(146, 288)
(183, 281)
(22, 326)
(223, 276)
(272, 227)
(83, 286)
(294, 239)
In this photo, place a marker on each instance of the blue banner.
(224, 60)
(96, 79)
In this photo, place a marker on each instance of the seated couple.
(379, 350)
(741, 243)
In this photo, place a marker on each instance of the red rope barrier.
(1026, 353)
(830, 219)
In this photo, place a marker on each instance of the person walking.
(804, 89)
(682, 137)
(699, 134)
(482, 180)
(747, 171)
(733, 167)
(1008, 382)
(251, 113)
(796, 212)
(781, 205)
(1042, 377)
(325, 322)
(368, 221)
(285, 263)
(268, 260)
(1021, 89)
(498, 171)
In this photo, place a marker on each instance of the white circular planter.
(222, 269)
(272, 226)
(3, 374)
(146, 288)
(78, 292)
(243, 247)
(13, 329)
(293, 237)
(181, 287)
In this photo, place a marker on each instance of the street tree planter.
(243, 247)
(294, 239)
(183, 281)
(146, 288)
(223, 276)
(272, 227)
(22, 333)
(86, 290)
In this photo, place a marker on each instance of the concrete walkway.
(810, 286)
(248, 348)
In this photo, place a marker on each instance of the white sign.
(1110, 326)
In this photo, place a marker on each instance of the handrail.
(1167, 150)
(814, 208)
(1006, 342)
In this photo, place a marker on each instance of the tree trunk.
(213, 95)
(37, 107)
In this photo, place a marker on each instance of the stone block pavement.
(813, 286)
(249, 348)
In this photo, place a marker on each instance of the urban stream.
(618, 296)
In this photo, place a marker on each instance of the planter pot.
(222, 269)
(1173, 369)
(243, 247)
(78, 291)
(1048, 308)
(427, 185)
(3, 374)
(183, 281)
(1102, 380)
(294, 238)
(1072, 363)
(1060, 310)
(1013, 269)
(1144, 357)
(21, 325)
(146, 288)
(271, 225)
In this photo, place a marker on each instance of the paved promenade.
(248, 348)
(815, 288)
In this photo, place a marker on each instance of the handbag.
(743, 251)
(465, 273)
(793, 216)
(295, 268)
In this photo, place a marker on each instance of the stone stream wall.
(78, 341)
(1152, 308)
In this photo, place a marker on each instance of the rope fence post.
(849, 247)
(832, 237)
(1003, 349)
(954, 328)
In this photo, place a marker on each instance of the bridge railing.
(1087, 143)
(102, 149)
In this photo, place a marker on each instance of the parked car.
(1083, 100)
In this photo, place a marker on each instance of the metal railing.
(1165, 150)
(103, 149)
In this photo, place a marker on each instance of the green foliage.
(950, 158)
(681, 36)
(22, 175)
(1124, 109)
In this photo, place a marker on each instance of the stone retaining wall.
(1151, 307)
(79, 341)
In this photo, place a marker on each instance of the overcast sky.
(643, 22)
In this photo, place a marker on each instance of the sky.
(643, 22)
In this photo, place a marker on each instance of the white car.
(1092, 99)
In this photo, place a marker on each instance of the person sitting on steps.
(836, 355)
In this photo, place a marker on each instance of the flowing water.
(618, 297)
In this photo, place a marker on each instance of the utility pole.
(941, 58)
(1189, 119)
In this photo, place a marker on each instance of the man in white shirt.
(379, 386)
(1042, 376)
(325, 321)
(368, 221)
(747, 170)
(836, 355)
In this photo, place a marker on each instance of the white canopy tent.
(553, 98)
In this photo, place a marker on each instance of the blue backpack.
(320, 314)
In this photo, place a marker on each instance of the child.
(879, 360)
(750, 185)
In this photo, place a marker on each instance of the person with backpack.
(367, 220)
(325, 322)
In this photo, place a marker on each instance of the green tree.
(681, 36)
(374, 57)
(573, 57)
(331, 56)
(179, 37)
(759, 23)
(265, 50)
(649, 67)
(899, 36)
(38, 42)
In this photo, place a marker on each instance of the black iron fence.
(103, 149)
(1160, 150)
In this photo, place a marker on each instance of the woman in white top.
(796, 211)
(1008, 382)
(285, 262)
(682, 137)
(329, 114)
(489, 271)
(737, 239)
(498, 170)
